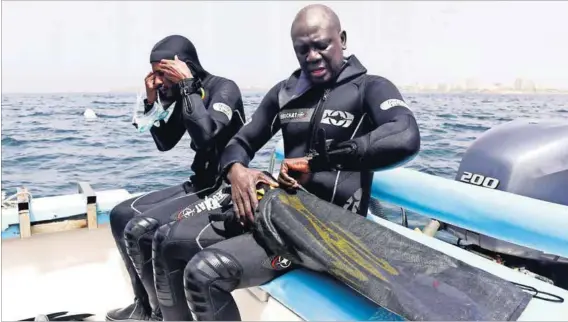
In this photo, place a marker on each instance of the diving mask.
(144, 121)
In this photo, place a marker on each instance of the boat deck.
(79, 271)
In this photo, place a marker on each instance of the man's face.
(319, 49)
(160, 81)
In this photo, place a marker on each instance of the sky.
(81, 46)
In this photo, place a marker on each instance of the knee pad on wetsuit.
(119, 217)
(163, 287)
(134, 231)
(207, 268)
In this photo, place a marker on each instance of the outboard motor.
(528, 158)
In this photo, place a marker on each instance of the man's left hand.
(300, 165)
(175, 70)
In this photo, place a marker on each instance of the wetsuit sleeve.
(254, 135)
(202, 123)
(395, 139)
(167, 135)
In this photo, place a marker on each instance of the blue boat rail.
(498, 214)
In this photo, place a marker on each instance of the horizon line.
(548, 91)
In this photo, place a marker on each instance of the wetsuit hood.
(168, 48)
(173, 45)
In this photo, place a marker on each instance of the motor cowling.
(527, 158)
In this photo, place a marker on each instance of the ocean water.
(48, 146)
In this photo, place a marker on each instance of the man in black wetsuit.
(210, 109)
(339, 125)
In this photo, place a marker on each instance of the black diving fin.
(60, 316)
(398, 273)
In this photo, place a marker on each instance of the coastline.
(403, 88)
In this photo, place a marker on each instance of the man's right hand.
(151, 91)
(299, 165)
(243, 189)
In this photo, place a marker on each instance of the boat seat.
(317, 297)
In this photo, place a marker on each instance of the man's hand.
(175, 70)
(299, 165)
(243, 189)
(150, 88)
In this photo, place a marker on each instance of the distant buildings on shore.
(470, 85)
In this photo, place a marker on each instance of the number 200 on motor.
(479, 180)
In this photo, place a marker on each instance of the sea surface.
(48, 145)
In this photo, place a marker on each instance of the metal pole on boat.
(24, 212)
(91, 197)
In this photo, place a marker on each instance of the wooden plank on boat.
(24, 212)
(258, 293)
(59, 226)
(86, 189)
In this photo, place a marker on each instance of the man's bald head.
(318, 42)
(316, 15)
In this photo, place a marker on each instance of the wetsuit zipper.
(313, 127)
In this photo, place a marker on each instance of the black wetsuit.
(371, 128)
(210, 121)
(367, 126)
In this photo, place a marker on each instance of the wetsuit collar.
(352, 68)
(299, 83)
(303, 84)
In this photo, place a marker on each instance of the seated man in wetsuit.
(331, 99)
(210, 109)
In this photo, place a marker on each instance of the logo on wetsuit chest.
(209, 203)
(296, 115)
(337, 118)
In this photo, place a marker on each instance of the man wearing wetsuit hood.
(339, 125)
(210, 109)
